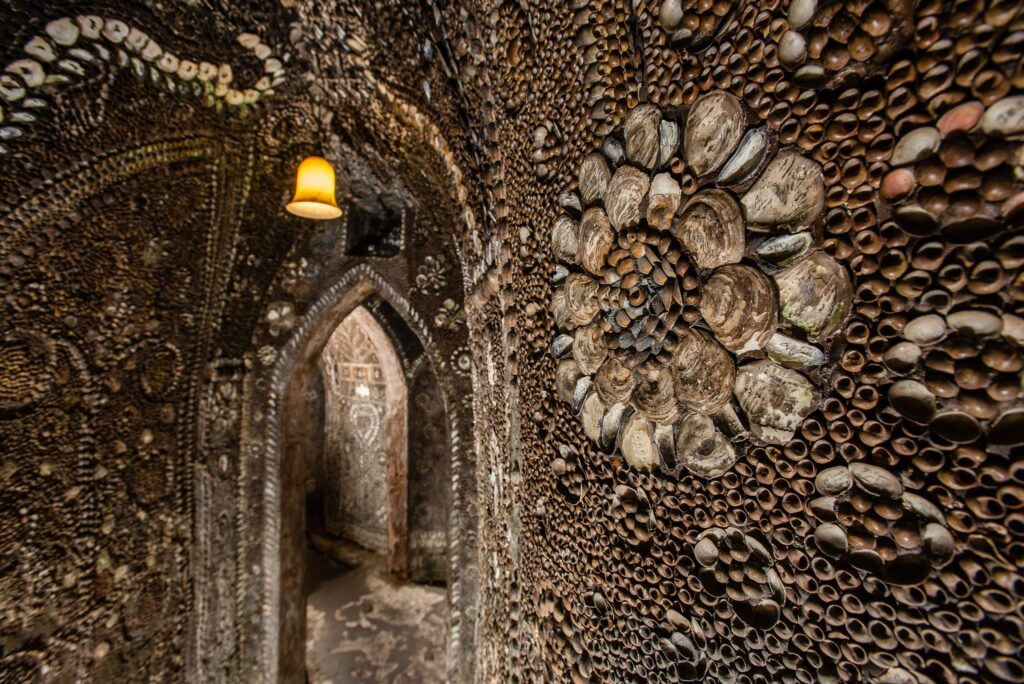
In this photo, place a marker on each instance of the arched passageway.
(365, 621)
(362, 474)
(365, 500)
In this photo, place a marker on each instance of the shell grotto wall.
(150, 281)
(732, 289)
(753, 331)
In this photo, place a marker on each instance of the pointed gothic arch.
(283, 535)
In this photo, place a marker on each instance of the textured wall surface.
(356, 440)
(732, 289)
(429, 475)
(149, 276)
(774, 250)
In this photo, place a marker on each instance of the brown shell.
(588, 349)
(613, 381)
(815, 295)
(591, 414)
(710, 228)
(663, 201)
(714, 127)
(637, 444)
(641, 133)
(576, 303)
(791, 191)
(701, 449)
(596, 239)
(566, 376)
(594, 177)
(704, 371)
(654, 394)
(565, 240)
(624, 199)
(775, 399)
(738, 303)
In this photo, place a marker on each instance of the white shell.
(187, 70)
(224, 75)
(29, 70)
(637, 446)
(1005, 118)
(207, 71)
(63, 31)
(41, 49)
(115, 30)
(248, 40)
(793, 353)
(91, 26)
(168, 63)
(136, 40)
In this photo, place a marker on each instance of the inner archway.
(363, 470)
(292, 380)
(365, 621)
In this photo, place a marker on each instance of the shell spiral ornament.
(695, 308)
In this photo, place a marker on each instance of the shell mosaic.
(73, 48)
(694, 306)
(742, 404)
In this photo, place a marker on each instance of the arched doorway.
(365, 621)
(286, 443)
(363, 470)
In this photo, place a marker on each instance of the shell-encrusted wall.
(724, 298)
(752, 325)
(672, 307)
(150, 280)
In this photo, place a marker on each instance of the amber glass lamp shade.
(314, 190)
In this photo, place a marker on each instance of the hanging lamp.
(314, 190)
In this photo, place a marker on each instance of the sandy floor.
(362, 626)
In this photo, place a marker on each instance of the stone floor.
(364, 627)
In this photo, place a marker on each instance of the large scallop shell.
(594, 177)
(738, 302)
(641, 133)
(710, 228)
(613, 381)
(791, 191)
(714, 128)
(596, 239)
(704, 372)
(775, 399)
(815, 295)
(636, 443)
(565, 240)
(575, 304)
(624, 198)
(654, 394)
(702, 449)
(588, 349)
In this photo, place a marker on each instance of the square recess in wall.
(377, 233)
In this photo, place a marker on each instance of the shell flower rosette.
(692, 298)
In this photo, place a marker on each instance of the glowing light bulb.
(314, 190)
